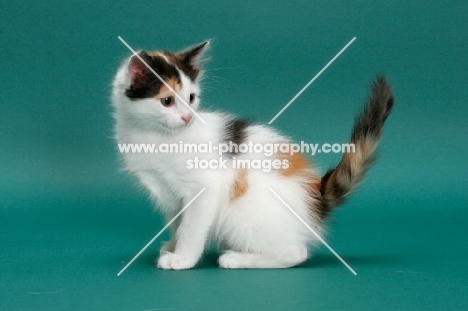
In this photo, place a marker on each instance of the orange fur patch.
(240, 186)
(299, 167)
(165, 92)
(297, 164)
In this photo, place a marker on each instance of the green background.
(70, 219)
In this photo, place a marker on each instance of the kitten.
(250, 225)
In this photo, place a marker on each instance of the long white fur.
(255, 230)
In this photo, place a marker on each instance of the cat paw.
(233, 260)
(171, 261)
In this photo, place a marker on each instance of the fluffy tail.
(339, 182)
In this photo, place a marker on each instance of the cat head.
(141, 97)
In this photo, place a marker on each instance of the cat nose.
(187, 118)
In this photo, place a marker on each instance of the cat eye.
(167, 101)
(192, 98)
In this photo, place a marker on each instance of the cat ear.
(137, 69)
(192, 59)
(194, 55)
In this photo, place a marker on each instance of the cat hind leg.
(283, 258)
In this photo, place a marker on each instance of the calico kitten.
(250, 225)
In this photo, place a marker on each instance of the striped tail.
(339, 182)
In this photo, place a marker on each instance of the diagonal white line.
(313, 231)
(159, 233)
(311, 81)
(162, 80)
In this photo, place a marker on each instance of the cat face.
(152, 103)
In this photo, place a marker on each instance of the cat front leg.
(192, 233)
(169, 246)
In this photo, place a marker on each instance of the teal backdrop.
(70, 219)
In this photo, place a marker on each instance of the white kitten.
(237, 210)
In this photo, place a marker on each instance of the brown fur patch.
(172, 58)
(155, 53)
(240, 186)
(174, 82)
(312, 187)
(184, 62)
